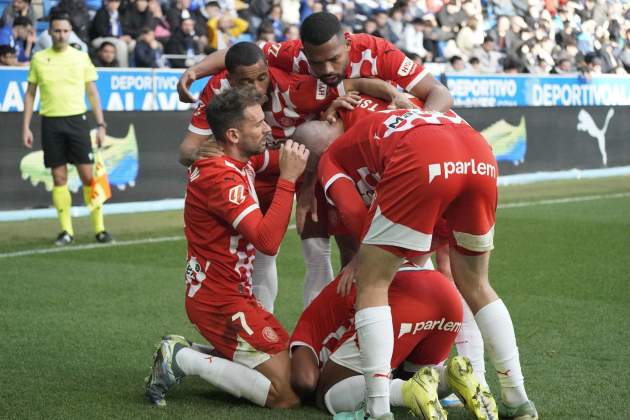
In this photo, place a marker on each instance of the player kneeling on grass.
(426, 317)
(224, 227)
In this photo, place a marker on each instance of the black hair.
(319, 28)
(145, 30)
(454, 58)
(22, 21)
(213, 3)
(243, 54)
(105, 44)
(6, 49)
(226, 109)
(59, 14)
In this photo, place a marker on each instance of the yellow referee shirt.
(61, 78)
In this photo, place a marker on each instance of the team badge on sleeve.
(236, 194)
(406, 67)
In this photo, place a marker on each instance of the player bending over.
(426, 316)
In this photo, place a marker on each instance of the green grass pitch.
(77, 327)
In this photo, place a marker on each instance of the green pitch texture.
(78, 327)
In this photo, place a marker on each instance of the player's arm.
(211, 64)
(266, 232)
(378, 88)
(29, 101)
(97, 110)
(341, 192)
(196, 146)
(434, 94)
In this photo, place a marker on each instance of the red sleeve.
(267, 163)
(310, 95)
(286, 55)
(341, 192)
(266, 233)
(198, 122)
(395, 66)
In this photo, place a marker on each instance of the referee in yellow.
(63, 74)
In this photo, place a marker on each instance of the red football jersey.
(219, 196)
(417, 297)
(292, 100)
(369, 56)
(367, 106)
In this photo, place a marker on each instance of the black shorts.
(66, 140)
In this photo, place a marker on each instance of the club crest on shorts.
(270, 335)
(237, 194)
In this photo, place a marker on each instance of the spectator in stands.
(381, 18)
(371, 28)
(202, 15)
(396, 26)
(159, 23)
(488, 56)
(451, 16)
(469, 37)
(456, 64)
(21, 37)
(257, 11)
(17, 8)
(107, 26)
(178, 12)
(148, 51)
(275, 18)
(414, 37)
(510, 66)
(475, 65)
(224, 31)
(79, 17)
(266, 33)
(106, 55)
(291, 33)
(136, 18)
(290, 12)
(563, 66)
(8, 56)
(183, 43)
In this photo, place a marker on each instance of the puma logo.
(587, 124)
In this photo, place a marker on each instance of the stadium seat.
(4, 4)
(49, 4)
(41, 26)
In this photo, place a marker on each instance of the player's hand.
(183, 86)
(209, 148)
(348, 277)
(306, 202)
(401, 101)
(348, 102)
(293, 157)
(100, 136)
(27, 138)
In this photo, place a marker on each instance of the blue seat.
(49, 4)
(41, 26)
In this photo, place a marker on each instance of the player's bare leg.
(304, 372)
(373, 321)
(469, 342)
(268, 384)
(495, 324)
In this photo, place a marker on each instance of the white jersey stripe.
(243, 214)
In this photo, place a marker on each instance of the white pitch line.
(177, 238)
(563, 200)
(72, 248)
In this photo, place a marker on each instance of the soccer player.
(317, 136)
(292, 100)
(224, 227)
(426, 165)
(426, 314)
(63, 74)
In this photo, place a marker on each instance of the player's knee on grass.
(278, 371)
(304, 372)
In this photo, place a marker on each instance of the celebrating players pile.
(394, 176)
